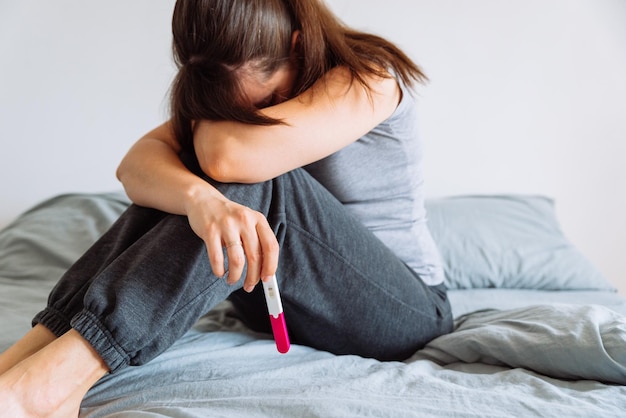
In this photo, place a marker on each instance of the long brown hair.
(214, 39)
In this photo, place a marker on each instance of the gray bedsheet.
(222, 369)
(560, 354)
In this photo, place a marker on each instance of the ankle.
(53, 381)
(34, 340)
(16, 396)
(13, 407)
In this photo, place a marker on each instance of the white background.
(526, 96)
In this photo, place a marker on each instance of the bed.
(538, 330)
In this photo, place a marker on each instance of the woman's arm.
(154, 176)
(333, 113)
(324, 119)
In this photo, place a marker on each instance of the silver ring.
(232, 244)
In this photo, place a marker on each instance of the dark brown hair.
(214, 39)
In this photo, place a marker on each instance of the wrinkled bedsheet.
(497, 363)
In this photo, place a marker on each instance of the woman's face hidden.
(264, 91)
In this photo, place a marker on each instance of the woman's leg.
(70, 290)
(343, 290)
(48, 373)
(144, 283)
(148, 280)
(140, 287)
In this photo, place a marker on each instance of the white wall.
(526, 96)
(80, 81)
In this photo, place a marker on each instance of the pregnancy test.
(277, 318)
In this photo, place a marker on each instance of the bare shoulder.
(370, 97)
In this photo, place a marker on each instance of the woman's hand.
(243, 233)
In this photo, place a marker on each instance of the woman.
(291, 150)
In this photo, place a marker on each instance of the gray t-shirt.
(379, 179)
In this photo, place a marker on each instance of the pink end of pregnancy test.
(277, 318)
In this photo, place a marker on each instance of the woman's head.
(217, 44)
(226, 48)
(230, 33)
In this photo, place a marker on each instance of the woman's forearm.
(154, 176)
(332, 114)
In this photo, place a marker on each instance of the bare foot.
(53, 381)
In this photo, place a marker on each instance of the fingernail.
(248, 288)
(266, 278)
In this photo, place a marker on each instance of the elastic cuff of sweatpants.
(54, 320)
(99, 337)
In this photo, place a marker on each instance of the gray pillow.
(47, 239)
(508, 241)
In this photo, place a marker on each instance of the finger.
(236, 260)
(216, 256)
(269, 249)
(252, 250)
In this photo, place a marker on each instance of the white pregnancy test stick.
(277, 318)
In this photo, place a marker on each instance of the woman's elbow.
(216, 168)
(124, 173)
(231, 170)
(122, 177)
(120, 172)
(227, 161)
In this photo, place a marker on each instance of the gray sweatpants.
(148, 279)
